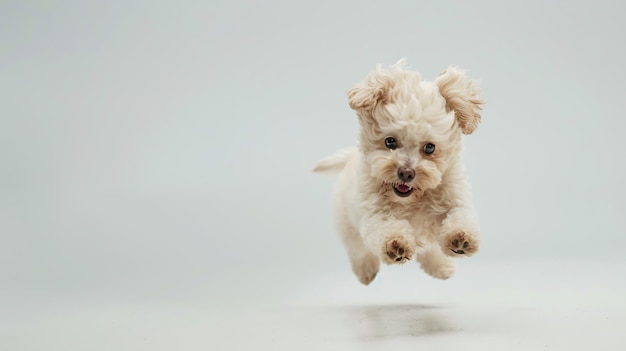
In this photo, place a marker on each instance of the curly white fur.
(435, 221)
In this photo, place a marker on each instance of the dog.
(402, 190)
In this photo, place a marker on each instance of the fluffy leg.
(364, 263)
(459, 233)
(435, 263)
(389, 238)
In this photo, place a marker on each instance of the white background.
(155, 169)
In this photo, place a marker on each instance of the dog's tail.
(336, 162)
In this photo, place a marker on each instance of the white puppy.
(402, 191)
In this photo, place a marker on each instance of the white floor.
(515, 306)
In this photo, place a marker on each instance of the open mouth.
(402, 190)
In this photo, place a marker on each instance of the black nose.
(406, 174)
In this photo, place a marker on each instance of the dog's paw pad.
(460, 244)
(397, 251)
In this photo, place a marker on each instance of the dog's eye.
(391, 143)
(429, 148)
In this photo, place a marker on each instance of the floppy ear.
(462, 97)
(371, 92)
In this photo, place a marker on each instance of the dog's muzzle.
(406, 175)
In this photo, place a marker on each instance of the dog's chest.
(425, 223)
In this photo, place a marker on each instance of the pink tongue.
(403, 188)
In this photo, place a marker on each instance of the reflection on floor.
(505, 306)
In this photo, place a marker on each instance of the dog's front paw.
(397, 250)
(459, 243)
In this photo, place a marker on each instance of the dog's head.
(411, 130)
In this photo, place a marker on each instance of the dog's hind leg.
(364, 263)
(435, 263)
